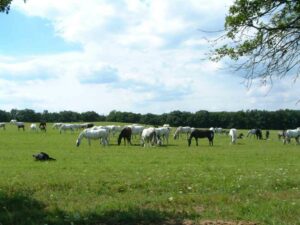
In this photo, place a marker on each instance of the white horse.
(2, 125)
(292, 134)
(18, 124)
(93, 134)
(186, 130)
(136, 129)
(218, 130)
(233, 135)
(65, 127)
(57, 125)
(33, 127)
(251, 132)
(148, 137)
(113, 129)
(163, 133)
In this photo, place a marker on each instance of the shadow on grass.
(23, 210)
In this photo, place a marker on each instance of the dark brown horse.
(126, 135)
(202, 134)
(43, 126)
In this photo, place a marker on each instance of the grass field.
(252, 182)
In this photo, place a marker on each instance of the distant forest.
(281, 119)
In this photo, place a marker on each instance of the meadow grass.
(255, 180)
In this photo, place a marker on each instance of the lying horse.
(126, 135)
(201, 134)
(42, 157)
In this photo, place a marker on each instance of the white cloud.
(141, 56)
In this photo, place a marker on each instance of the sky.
(141, 56)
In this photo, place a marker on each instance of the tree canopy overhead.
(262, 37)
(5, 5)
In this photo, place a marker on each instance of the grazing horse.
(126, 135)
(43, 126)
(94, 134)
(65, 127)
(57, 125)
(180, 129)
(201, 134)
(281, 134)
(33, 127)
(233, 135)
(292, 134)
(149, 137)
(163, 133)
(136, 129)
(267, 134)
(256, 132)
(18, 124)
(2, 125)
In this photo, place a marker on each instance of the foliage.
(5, 5)
(281, 119)
(263, 38)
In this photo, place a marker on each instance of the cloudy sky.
(128, 55)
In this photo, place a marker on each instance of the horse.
(281, 134)
(181, 129)
(33, 127)
(94, 134)
(65, 127)
(201, 134)
(136, 129)
(149, 137)
(233, 135)
(57, 125)
(292, 134)
(126, 135)
(163, 133)
(2, 125)
(18, 124)
(256, 132)
(267, 134)
(42, 156)
(218, 130)
(43, 126)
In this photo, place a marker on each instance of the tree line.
(281, 119)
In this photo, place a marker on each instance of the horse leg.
(128, 140)
(196, 141)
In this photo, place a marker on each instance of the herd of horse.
(152, 135)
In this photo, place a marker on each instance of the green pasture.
(252, 182)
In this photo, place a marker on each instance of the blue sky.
(128, 55)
